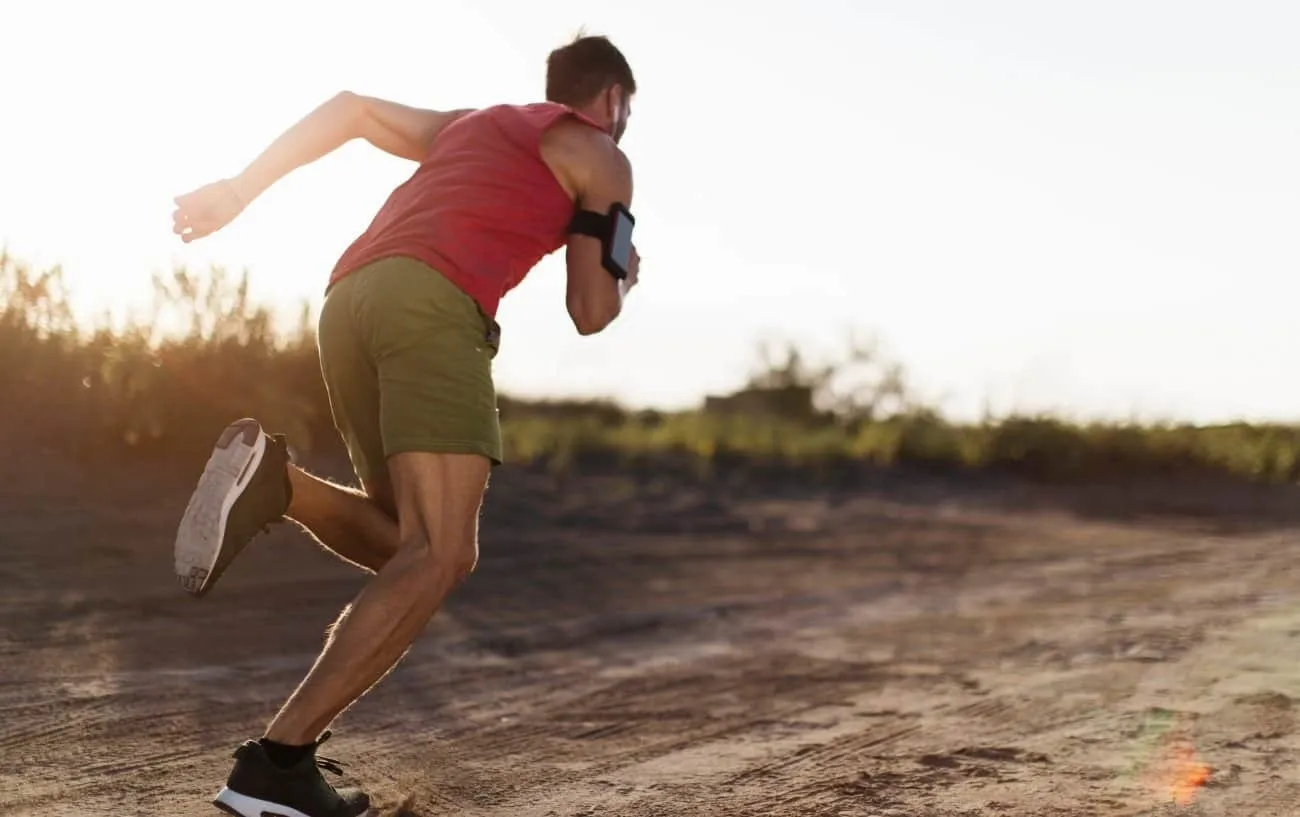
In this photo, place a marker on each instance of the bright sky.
(1087, 207)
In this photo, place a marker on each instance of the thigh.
(438, 497)
(432, 349)
(351, 380)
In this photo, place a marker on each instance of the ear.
(614, 101)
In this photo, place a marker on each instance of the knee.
(438, 559)
(464, 561)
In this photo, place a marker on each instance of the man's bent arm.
(594, 299)
(397, 129)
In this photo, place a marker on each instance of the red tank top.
(483, 208)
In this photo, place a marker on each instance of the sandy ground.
(640, 647)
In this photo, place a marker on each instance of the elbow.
(588, 325)
(350, 105)
(589, 319)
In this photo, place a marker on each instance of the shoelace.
(329, 764)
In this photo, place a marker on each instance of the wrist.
(244, 189)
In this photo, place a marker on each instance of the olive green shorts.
(407, 359)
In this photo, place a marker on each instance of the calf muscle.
(437, 499)
(357, 527)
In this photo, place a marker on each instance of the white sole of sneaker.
(203, 527)
(241, 805)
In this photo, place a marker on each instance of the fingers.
(186, 227)
(190, 229)
(187, 214)
(202, 212)
(181, 224)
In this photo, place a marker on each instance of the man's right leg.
(433, 434)
(399, 325)
(438, 498)
(438, 501)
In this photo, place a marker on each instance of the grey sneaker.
(243, 490)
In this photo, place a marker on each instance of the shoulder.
(459, 115)
(613, 161)
(596, 148)
(593, 161)
(582, 155)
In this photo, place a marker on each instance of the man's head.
(591, 76)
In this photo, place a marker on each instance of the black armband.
(614, 229)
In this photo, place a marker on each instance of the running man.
(407, 336)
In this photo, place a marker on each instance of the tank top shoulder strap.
(545, 114)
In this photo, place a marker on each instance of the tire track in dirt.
(56, 721)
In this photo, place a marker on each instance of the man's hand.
(203, 211)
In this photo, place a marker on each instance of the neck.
(596, 117)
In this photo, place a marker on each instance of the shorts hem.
(443, 447)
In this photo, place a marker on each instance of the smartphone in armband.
(614, 229)
(618, 251)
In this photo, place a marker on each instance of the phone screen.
(621, 246)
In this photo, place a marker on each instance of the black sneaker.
(243, 490)
(259, 788)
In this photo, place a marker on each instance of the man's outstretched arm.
(394, 128)
(397, 129)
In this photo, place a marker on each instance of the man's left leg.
(249, 485)
(359, 527)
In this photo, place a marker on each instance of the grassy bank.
(141, 391)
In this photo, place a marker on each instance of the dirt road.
(639, 648)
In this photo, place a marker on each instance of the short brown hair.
(578, 72)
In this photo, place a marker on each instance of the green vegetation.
(143, 391)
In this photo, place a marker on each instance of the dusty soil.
(639, 647)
